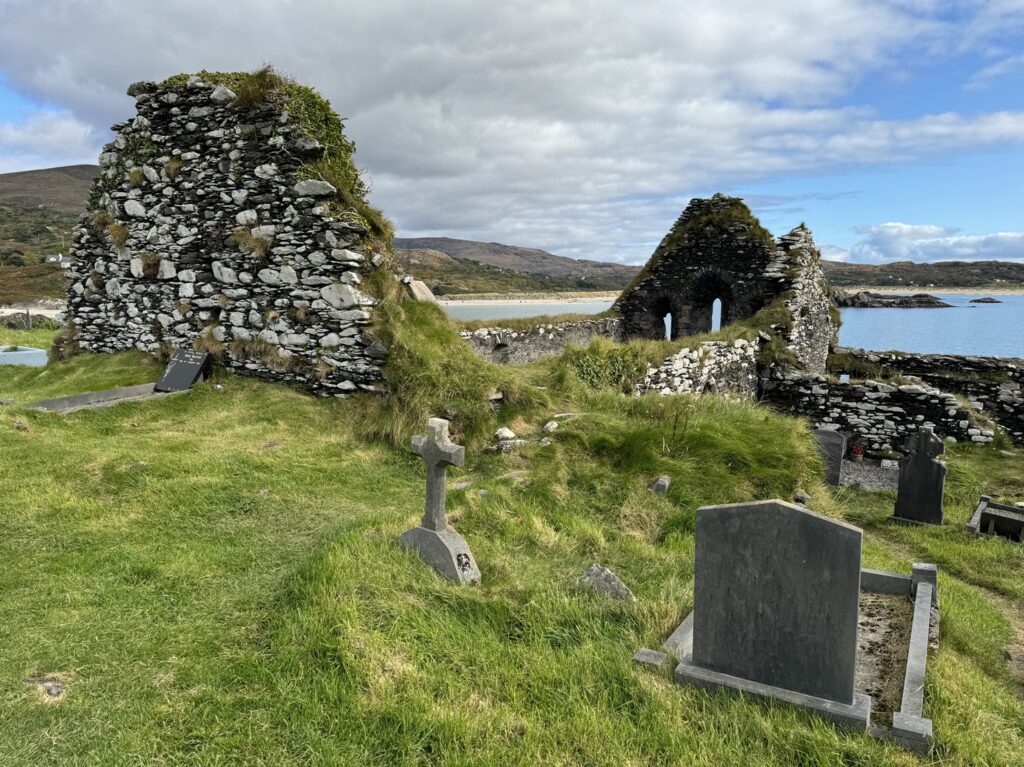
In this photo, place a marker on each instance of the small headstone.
(661, 484)
(832, 445)
(776, 592)
(185, 368)
(889, 464)
(603, 581)
(435, 540)
(922, 480)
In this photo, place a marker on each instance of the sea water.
(982, 329)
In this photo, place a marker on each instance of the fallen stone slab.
(100, 399)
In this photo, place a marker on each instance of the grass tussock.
(136, 178)
(172, 168)
(118, 234)
(253, 245)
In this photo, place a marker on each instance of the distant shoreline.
(484, 299)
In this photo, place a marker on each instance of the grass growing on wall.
(217, 580)
(314, 115)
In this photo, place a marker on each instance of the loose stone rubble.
(203, 233)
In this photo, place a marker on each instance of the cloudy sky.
(895, 128)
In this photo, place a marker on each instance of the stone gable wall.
(206, 236)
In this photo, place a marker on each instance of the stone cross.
(439, 452)
(435, 540)
(922, 480)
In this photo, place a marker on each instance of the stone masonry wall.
(515, 347)
(993, 385)
(206, 236)
(812, 331)
(713, 367)
(879, 416)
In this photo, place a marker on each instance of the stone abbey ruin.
(236, 223)
(230, 222)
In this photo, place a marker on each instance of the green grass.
(217, 578)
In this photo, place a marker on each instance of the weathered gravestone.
(775, 608)
(185, 368)
(435, 540)
(832, 445)
(991, 518)
(922, 480)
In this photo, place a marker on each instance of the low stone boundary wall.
(879, 416)
(994, 385)
(513, 347)
(713, 367)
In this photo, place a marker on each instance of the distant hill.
(569, 273)
(451, 276)
(942, 274)
(63, 190)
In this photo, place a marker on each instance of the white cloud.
(45, 139)
(895, 241)
(580, 126)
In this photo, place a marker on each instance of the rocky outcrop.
(205, 232)
(865, 299)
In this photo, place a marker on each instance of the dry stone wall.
(878, 415)
(993, 385)
(713, 367)
(203, 233)
(515, 347)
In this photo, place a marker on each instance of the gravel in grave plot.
(883, 638)
(870, 475)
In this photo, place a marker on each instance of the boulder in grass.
(601, 580)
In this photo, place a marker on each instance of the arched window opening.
(668, 326)
(716, 315)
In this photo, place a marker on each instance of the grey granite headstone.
(922, 480)
(435, 540)
(776, 597)
(832, 445)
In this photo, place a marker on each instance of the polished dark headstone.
(832, 445)
(922, 480)
(185, 368)
(776, 598)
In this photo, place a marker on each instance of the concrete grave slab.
(100, 399)
(23, 355)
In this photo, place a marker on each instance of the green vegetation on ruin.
(216, 576)
(313, 114)
(708, 228)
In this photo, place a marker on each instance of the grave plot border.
(910, 729)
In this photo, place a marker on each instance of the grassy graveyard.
(215, 577)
